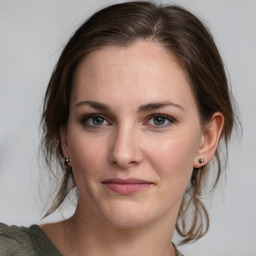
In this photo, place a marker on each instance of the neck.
(83, 234)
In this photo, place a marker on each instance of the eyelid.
(162, 115)
(91, 115)
(171, 119)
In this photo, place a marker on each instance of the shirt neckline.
(41, 242)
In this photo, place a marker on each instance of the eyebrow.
(94, 104)
(158, 105)
(142, 108)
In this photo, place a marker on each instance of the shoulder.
(178, 253)
(22, 241)
(14, 241)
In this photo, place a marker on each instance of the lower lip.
(126, 189)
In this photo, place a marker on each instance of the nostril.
(125, 151)
(125, 160)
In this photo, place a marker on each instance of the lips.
(126, 186)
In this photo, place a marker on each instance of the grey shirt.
(31, 241)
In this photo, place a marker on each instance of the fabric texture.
(22, 241)
(31, 241)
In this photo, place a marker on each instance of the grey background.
(32, 34)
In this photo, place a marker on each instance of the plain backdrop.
(32, 35)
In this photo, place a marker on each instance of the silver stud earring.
(67, 161)
(200, 160)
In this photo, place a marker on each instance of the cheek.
(173, 160)
(87, 156)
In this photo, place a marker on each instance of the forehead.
(139, 54)
(144, 68)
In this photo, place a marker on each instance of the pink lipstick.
(126, 186)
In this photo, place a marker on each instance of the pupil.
(159, 120)
(97, 120)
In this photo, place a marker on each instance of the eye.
(160, 120)
(94, 120)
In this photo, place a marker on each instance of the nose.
(125, 149)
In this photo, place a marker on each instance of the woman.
(134, 112)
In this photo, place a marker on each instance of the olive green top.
(32, 241)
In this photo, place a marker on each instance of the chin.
(127, 222)
(128, 216)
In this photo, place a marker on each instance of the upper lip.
(127, 181)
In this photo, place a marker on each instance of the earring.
(200, 160)
(67, 161)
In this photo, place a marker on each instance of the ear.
(210, 139)
(64, 141)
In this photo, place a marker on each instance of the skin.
(147, 127)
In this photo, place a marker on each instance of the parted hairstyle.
(181, 33)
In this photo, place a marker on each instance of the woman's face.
(133, 135)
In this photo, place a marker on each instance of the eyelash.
(84, 120)
(170, 120)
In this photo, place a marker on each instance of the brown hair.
(184, 35)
